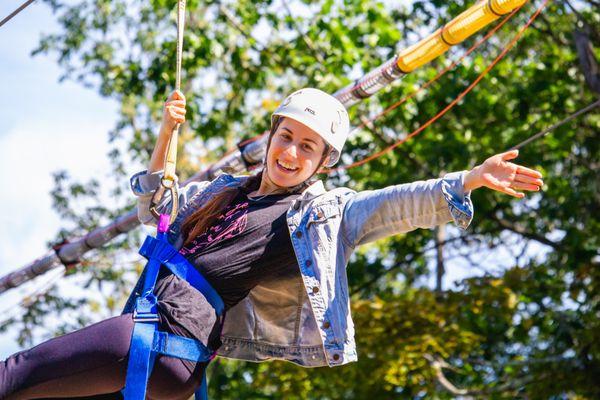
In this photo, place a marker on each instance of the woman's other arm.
(145, 183)
(173, 114)
(373, 214)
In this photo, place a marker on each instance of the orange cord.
(454, 102)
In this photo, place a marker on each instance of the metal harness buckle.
(169, 184)
(144, 317)
(145, 309)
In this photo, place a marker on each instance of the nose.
(292, 150)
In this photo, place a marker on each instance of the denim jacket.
(306, 319)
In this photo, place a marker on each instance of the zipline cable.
(556, 125)
(452, 33)
(449, 106)
(439, 74)
(18, 10)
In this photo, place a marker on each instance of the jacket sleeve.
(374, 214)
(144, 184)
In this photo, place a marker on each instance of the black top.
(247, 244)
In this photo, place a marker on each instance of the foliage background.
(523, 324)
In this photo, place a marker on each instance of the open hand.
(499, 174)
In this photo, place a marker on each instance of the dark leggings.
(92, 363)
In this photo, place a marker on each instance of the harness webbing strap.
(180, 347)
(165, 253)
(141, 361)
(147, 341)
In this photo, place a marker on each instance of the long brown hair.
(204, 217)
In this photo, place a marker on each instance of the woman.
(274, 246)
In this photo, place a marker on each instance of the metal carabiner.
(169, 184)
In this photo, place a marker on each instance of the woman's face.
(294, 154)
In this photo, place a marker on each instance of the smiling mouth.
(286, 167)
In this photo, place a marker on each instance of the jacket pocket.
(322, 225)
(323, 212)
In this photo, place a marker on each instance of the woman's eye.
(308, 148)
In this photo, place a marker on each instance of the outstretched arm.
(498, 173)
(373, 214)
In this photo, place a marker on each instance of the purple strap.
(163, 223)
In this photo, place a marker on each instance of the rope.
(169, 179)
(449, 106)
(171, 158)
(18, 10)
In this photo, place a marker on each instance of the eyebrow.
(307, 139)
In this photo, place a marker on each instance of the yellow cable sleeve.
(422, 52)
(460, 28)
(506, 6)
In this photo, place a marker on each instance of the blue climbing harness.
(147, 341)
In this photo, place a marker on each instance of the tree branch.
(305, 38)
(438, 364)
(581, 19)
(408, 260)
(513, 227)
(510, 385)
(587, 61)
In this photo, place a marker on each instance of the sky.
(45, 126)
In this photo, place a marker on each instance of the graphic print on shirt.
(227, 225)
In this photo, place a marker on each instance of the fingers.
(509, 155)
(504, 187)
(175, 108)
(528, 179)
(514, 193)
(510, 178)
(178, 103)
(510, 191)
(176, 114)
(525, 186)
(176, 95)
(528, 171)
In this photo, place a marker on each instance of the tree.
(523, 324)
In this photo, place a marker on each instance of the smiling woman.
(294, 155)
(272, 247)
(303, 136)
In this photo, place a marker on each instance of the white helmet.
(322, 113)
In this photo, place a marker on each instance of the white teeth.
(286, 165)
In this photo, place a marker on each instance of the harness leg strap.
(202, 392)
(141, 361)
(146, 340)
